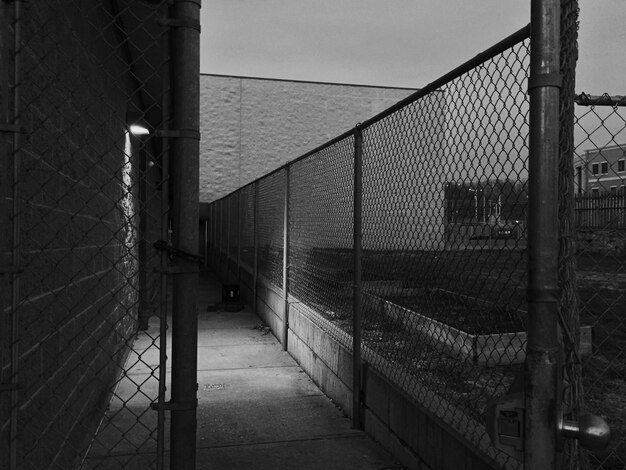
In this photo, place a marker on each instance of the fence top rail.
(600, 100)
(434, 86)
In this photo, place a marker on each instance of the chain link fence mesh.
(444, 286)
(444, 195)
(270, 228)
(599, 207)
(444, 238)
(82, 208)
(320, 249)
(246, 228)
(233, 235)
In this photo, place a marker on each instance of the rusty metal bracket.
(545, 80)
(182, 22)
(175, 406)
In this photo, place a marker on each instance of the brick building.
(600, 171)
(79, 205)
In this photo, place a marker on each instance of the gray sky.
(406, 43)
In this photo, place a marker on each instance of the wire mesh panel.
(270, 227)
(232, 202)
(321, 201)
(84, 209)
(600, 283)
(444, 266)
(246, 227)
(224, 238)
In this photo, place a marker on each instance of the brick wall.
(252, 126)
(77, 305)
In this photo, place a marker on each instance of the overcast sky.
(405, 43)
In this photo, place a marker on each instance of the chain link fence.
(600, 142)
(270, 228)
(435, 245)
(320, 247)
(443, 194)
(444, 295)
(84, 199)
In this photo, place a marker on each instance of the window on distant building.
(613, 189)
(605, 168)
(622, 189)
(621, 165)
(595, 168)
(595, 191)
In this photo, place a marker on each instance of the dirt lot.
(499, 278)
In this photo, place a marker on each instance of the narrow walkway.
(258, 410)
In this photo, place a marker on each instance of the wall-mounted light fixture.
(137, 124)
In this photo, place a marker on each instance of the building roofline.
(311, 82)
(607, 147)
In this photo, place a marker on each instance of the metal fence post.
(357, 307)
(185, 98)
(285, 330)
(543, 344)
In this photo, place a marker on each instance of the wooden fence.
(603, 211)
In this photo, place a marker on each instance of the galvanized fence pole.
(358, 253)
(163, 256)
(285, 330)
(543, 245)
(185, 98)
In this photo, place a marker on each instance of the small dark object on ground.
(225, 307)
(263, 328)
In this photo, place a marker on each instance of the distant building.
(251, 126)
(601, 171)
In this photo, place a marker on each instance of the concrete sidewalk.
(258, 410)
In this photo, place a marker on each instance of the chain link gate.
(85, 197)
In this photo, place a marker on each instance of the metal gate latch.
(593, 433)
